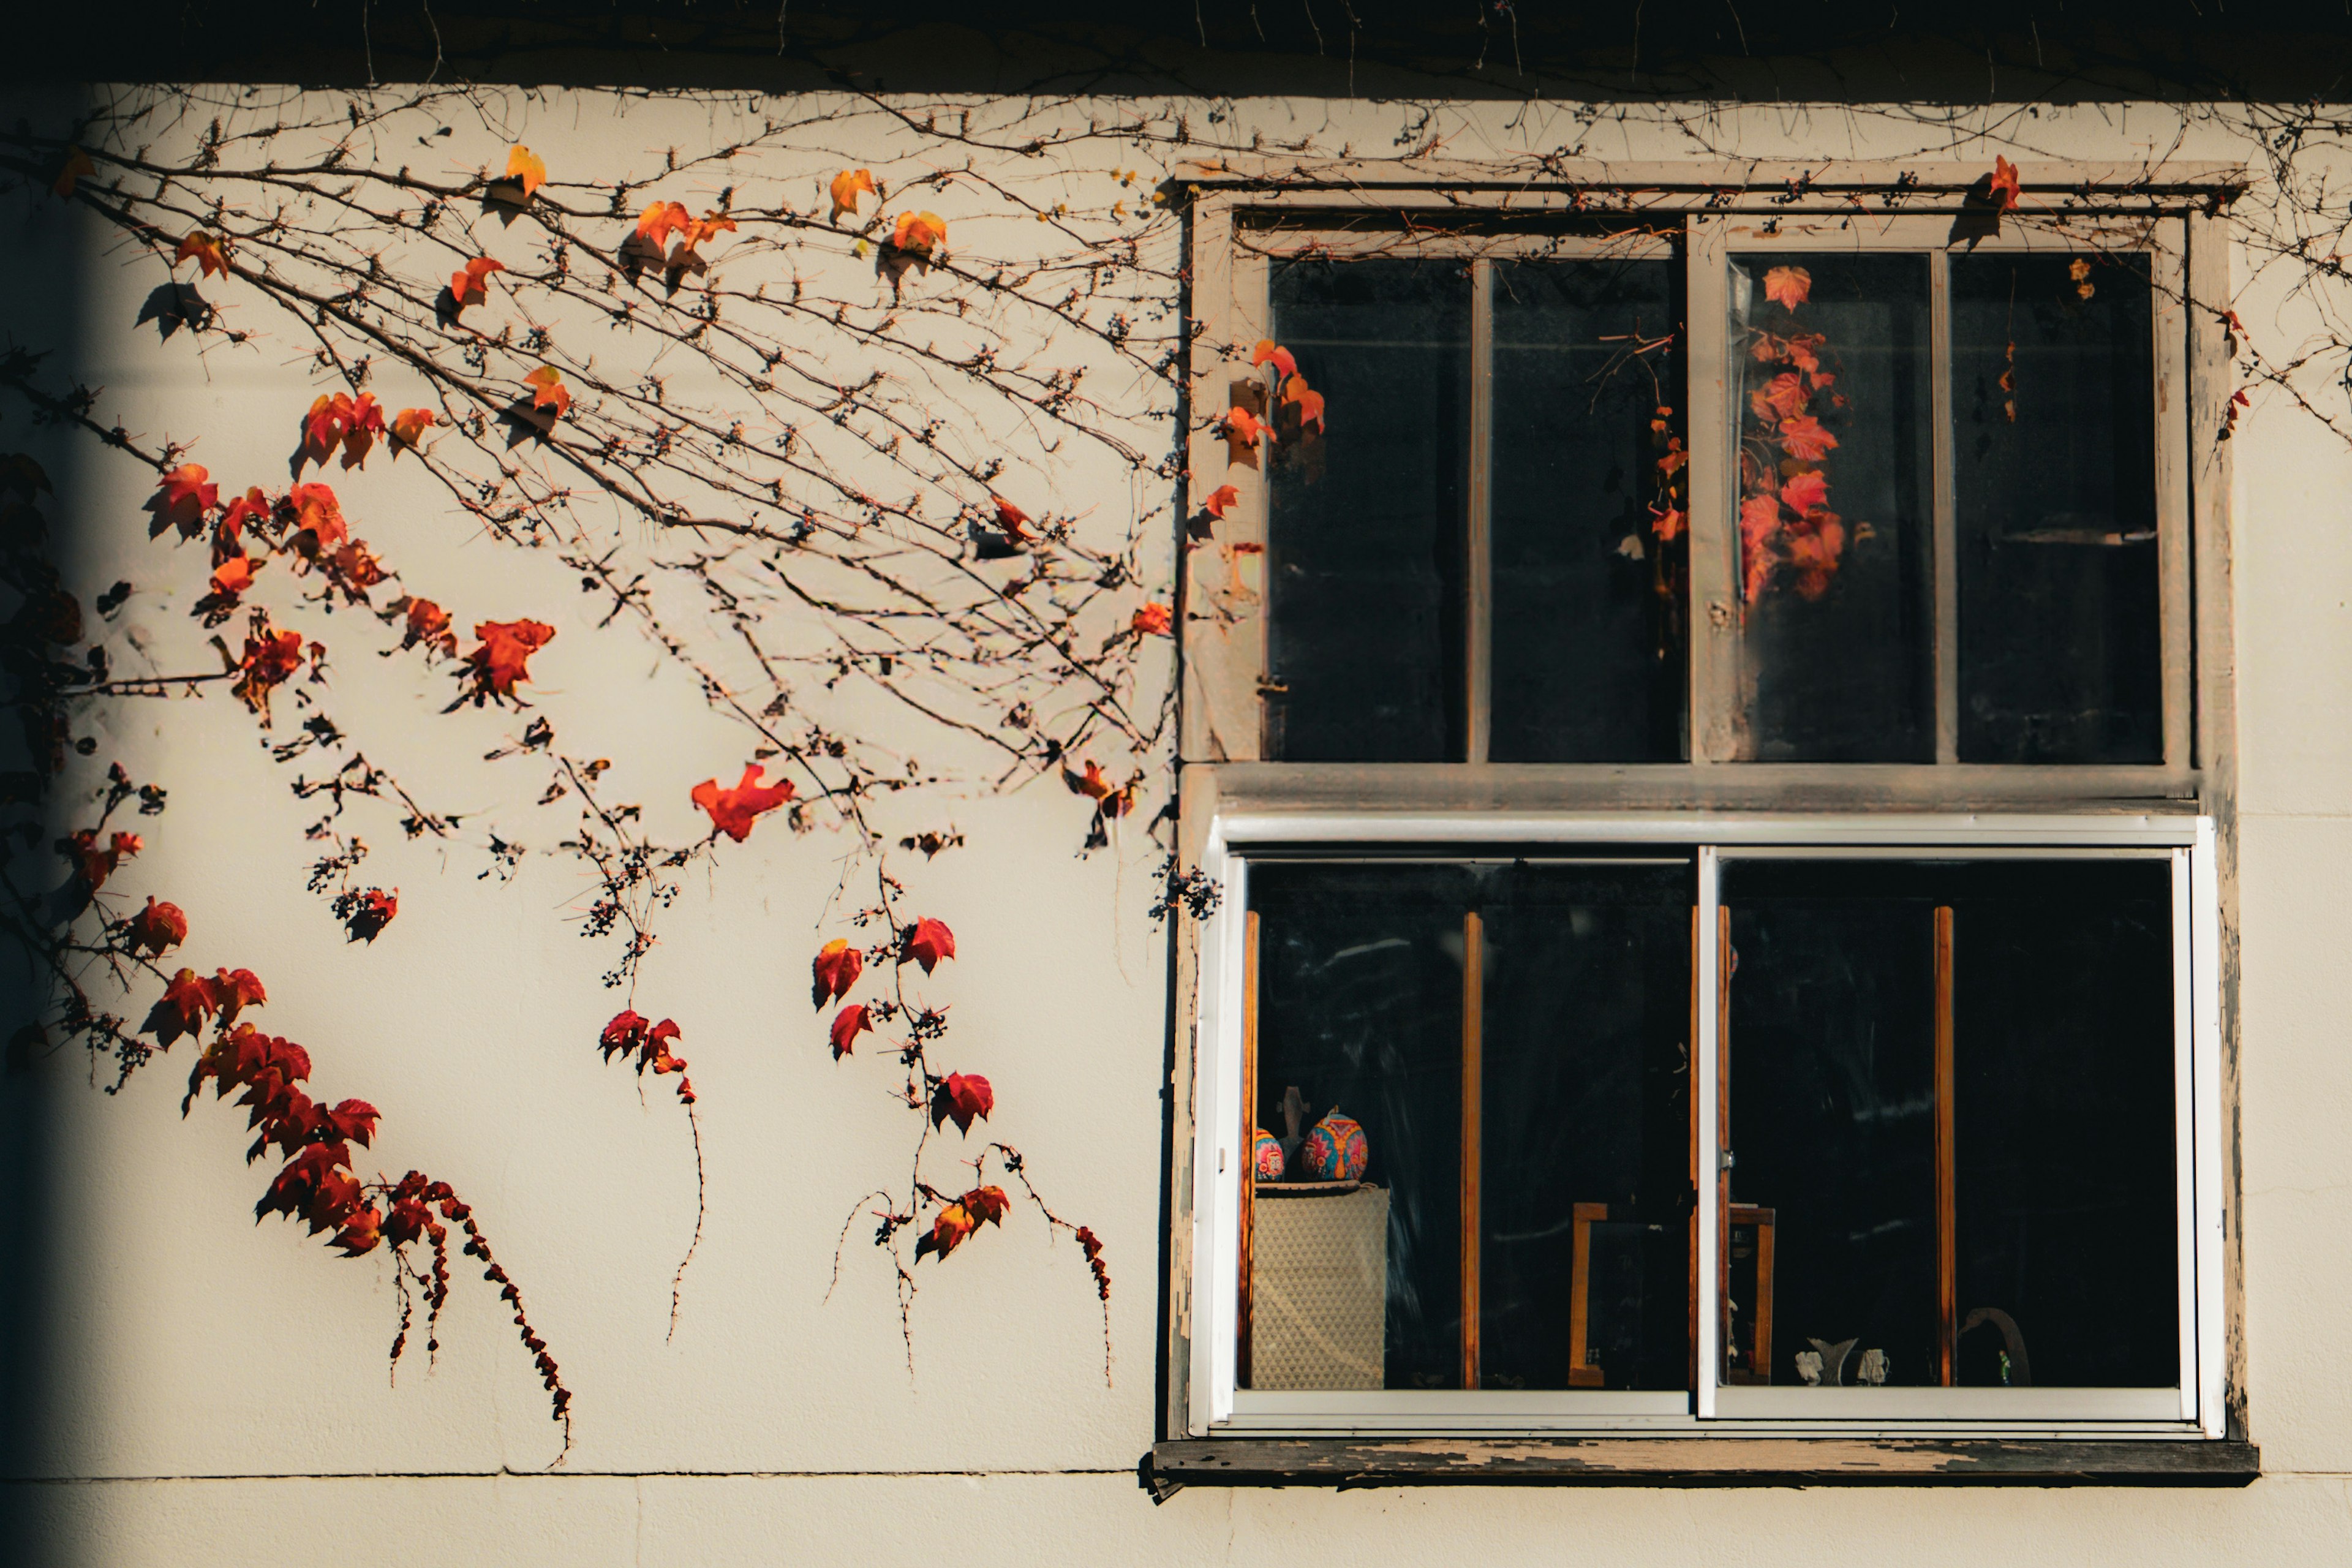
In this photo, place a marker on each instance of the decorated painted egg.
(1269, 1159)
(1335, 1150)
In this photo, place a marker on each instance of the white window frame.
(1222, 1159)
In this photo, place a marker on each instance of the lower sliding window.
(1677, 1133)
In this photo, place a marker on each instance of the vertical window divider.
(2175, 587)
(1712, 615)
(1710, 982)
(1478, 576)
(1474, 1155)
(1248, 1154)
(1943, 524)
(1947, 1307)
(2187, 1110)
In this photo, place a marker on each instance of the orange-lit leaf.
(468, 285)
(928, 942)
(210, 262)
(1805, 492)
(1787, 287)
(847, 1025)
(846, 186)
(1782, 397)
(270, 659)
(1668, 524)
(503, 657)
(1221, 497)
(551, 391)
(158, 926)
(233, 577)
(961, 1098)
(1243, 427)
(919, 233)
(317, 514)
(835, 968)
(187, 493)
(525, 167)
(1269, 352)
(733, 811)
(709, 225)
(1803, 439)
(2002, 187)
(1013, 520)
(1308, 402)
(408, 427)
(1094, 784)
(659, 220)
(1155, 619)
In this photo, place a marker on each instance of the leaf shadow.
(172, 306)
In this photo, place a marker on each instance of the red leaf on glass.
(1787, 287)
(1804, 439)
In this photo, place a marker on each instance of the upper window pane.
(2053, 380)
(1591, 560)
(1836, 480)
(1365, 540)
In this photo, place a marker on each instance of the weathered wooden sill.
(1698, 1462)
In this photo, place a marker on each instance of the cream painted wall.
(218, 1390)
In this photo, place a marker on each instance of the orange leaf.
(1759, 525)
(732, 811)
(157, 926)
(961, 1098)
(918, 233)
(323, 426)
(1242, 426)
(836, 968)
(846, 186)
(553, 392)
(1804, 439)
(77, 164)
(1782, 397)
(1154, 619)
(1805, 492)
(185, 494)
(1268, 352)
(928, 942)
(1789, 287)
(210, 262)
(429, 622)
(1814, 553)
(506, 649)
(466, 287)
(1308, 403)
(319, 515)
(270, 659)
(948, 1231)
(2002, 187)
(709, 225)
(233, 577)
(524, 165)
(1219, 500)
(1012, 519)
(407, 427)
(1668, 524)
(1094, 783)
(847, 1025)
(655, 224)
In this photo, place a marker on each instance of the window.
(1694, 716)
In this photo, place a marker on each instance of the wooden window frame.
(1231, 798)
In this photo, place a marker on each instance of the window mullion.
(1707, 978)
(1474, 1141)
(1713, 613)
(1478, 576)
(1944, 527)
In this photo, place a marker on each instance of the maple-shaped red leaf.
(987, 1203)
(919, 233)
(232, 989)
(526, 169)
(1269, 352)
(206, 250)
(353, 1120)
(187, 1002)
(1803, 439)
(927, 941)
(408, 1220)
(1155, 619)
(837, 967)
(733, 811)
(468, 285)
(1782, 397)
(249, 511)
(232, 577)
(845, 188)
(362, 429)
(1243, 427)
(361, 1233)
(408, 428)
(323, 426)
(158, 926)
(1804, 491)
(549, 390)
(183, 497)
(502, 658)
(1813, 552)
(270, 659)
(947, 1233)
(623, 1034)
(1091, 1245)
(2002, 185)
(429, 622)
(97, 862)
(1787, 287)
(709, 226)
(1308, 402)
(317, 519)
(366, 912)
(1221, 497)
(659, 220)
(959, 1098)
(847, 1025)
(1759, 525)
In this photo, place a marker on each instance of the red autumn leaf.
(522, 166)
(927, 941)
(1814, 552)
(732, 811)
(323, 426)
(1803, 439)
(1012, 519)
(232, 990)
(988, 1204)
(1668, 524)
(503, 657)
(709, 225)
(659, 220)
(847, 1025)
(96, 864)
(318, 514)
(1154, 619)
(961, 1098)
(1094, 783)
(408, 427)
(233, 577)
(1219, 500)
(1091, 1245)
(1269, 352)
(469, 286)
(270, 659)
(355, 569)
(157, 926)
(623, 1034)
(183, 497)
(77, 164)
(845, 188)
(947, 1233)
(250, 509)
(2002, 185)
(918, 233)
(361, 1233)
(551, 391)
(1782, 397)
(364, 429)
(185, 1004)
(1308, 403)
(353, 1120)
(429, 622)
(1804, 491)
(1759, 525)
(1787, 287)
(366, 912)
(1243, 427)
(210, 262)
(836, 967)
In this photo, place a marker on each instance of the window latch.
(1726, 1160)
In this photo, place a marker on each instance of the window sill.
(1698, 1462)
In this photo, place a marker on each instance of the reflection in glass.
(2053, 383)
(2057, 1148)
(1365, 541)
(1581, 1080)
(1836, 473)
(1590, 573)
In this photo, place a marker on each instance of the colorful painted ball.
(1270, 1156)
(1335, 1150)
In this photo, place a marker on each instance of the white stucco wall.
(219, 1389)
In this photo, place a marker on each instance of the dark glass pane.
(2062, 1152)
(1365, 544)
(2054, 379)
(1587, 617)
(1836, 446)
(1359, 1009)
(1584, 1100)
(1587, 1018)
